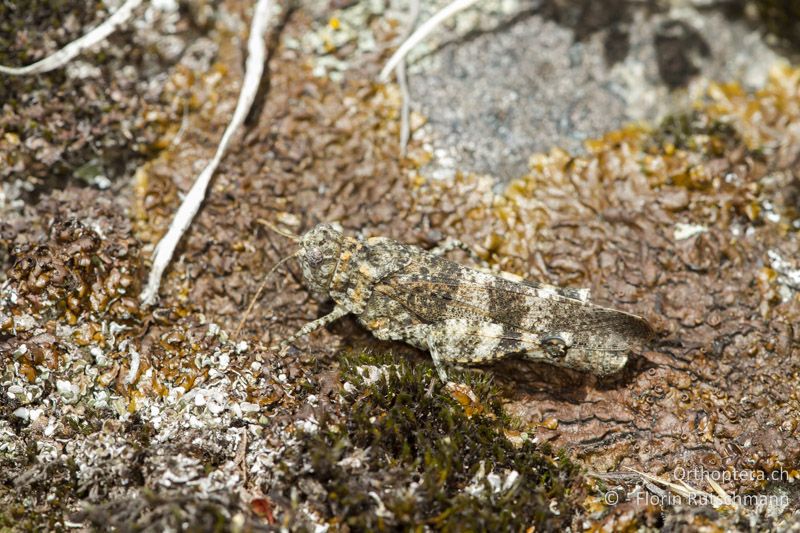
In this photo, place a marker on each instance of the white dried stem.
(422, 32)
(70, 51)
(254, 68)
(402, 80)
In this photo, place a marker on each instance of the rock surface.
(116, 415)
(554, 73)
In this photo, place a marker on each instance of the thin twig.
(71, 50)
(422, 32)
(254, 67)
(685, 490)
(184, 124)
(402, 80)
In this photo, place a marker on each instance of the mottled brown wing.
(434, 289)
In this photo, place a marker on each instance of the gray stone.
(553, 74)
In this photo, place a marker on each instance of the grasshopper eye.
(314, 257)
(555, 346)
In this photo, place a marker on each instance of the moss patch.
(693, 131)
(781, 18)
(410, 455)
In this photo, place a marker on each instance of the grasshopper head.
(319, 254)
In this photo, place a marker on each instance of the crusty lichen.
(198, 427)
(95, 119)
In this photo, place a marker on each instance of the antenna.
(278, 230)
(258, 292)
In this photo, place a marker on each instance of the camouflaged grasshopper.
(460, 315)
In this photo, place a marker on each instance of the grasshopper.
(460, 315)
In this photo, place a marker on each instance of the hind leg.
(439, 364)
(468, 342)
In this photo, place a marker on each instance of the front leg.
(338, 312)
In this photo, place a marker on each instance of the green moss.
(782, 18)
(423, 451)
(695, 131)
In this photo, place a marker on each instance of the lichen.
(183, 425)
